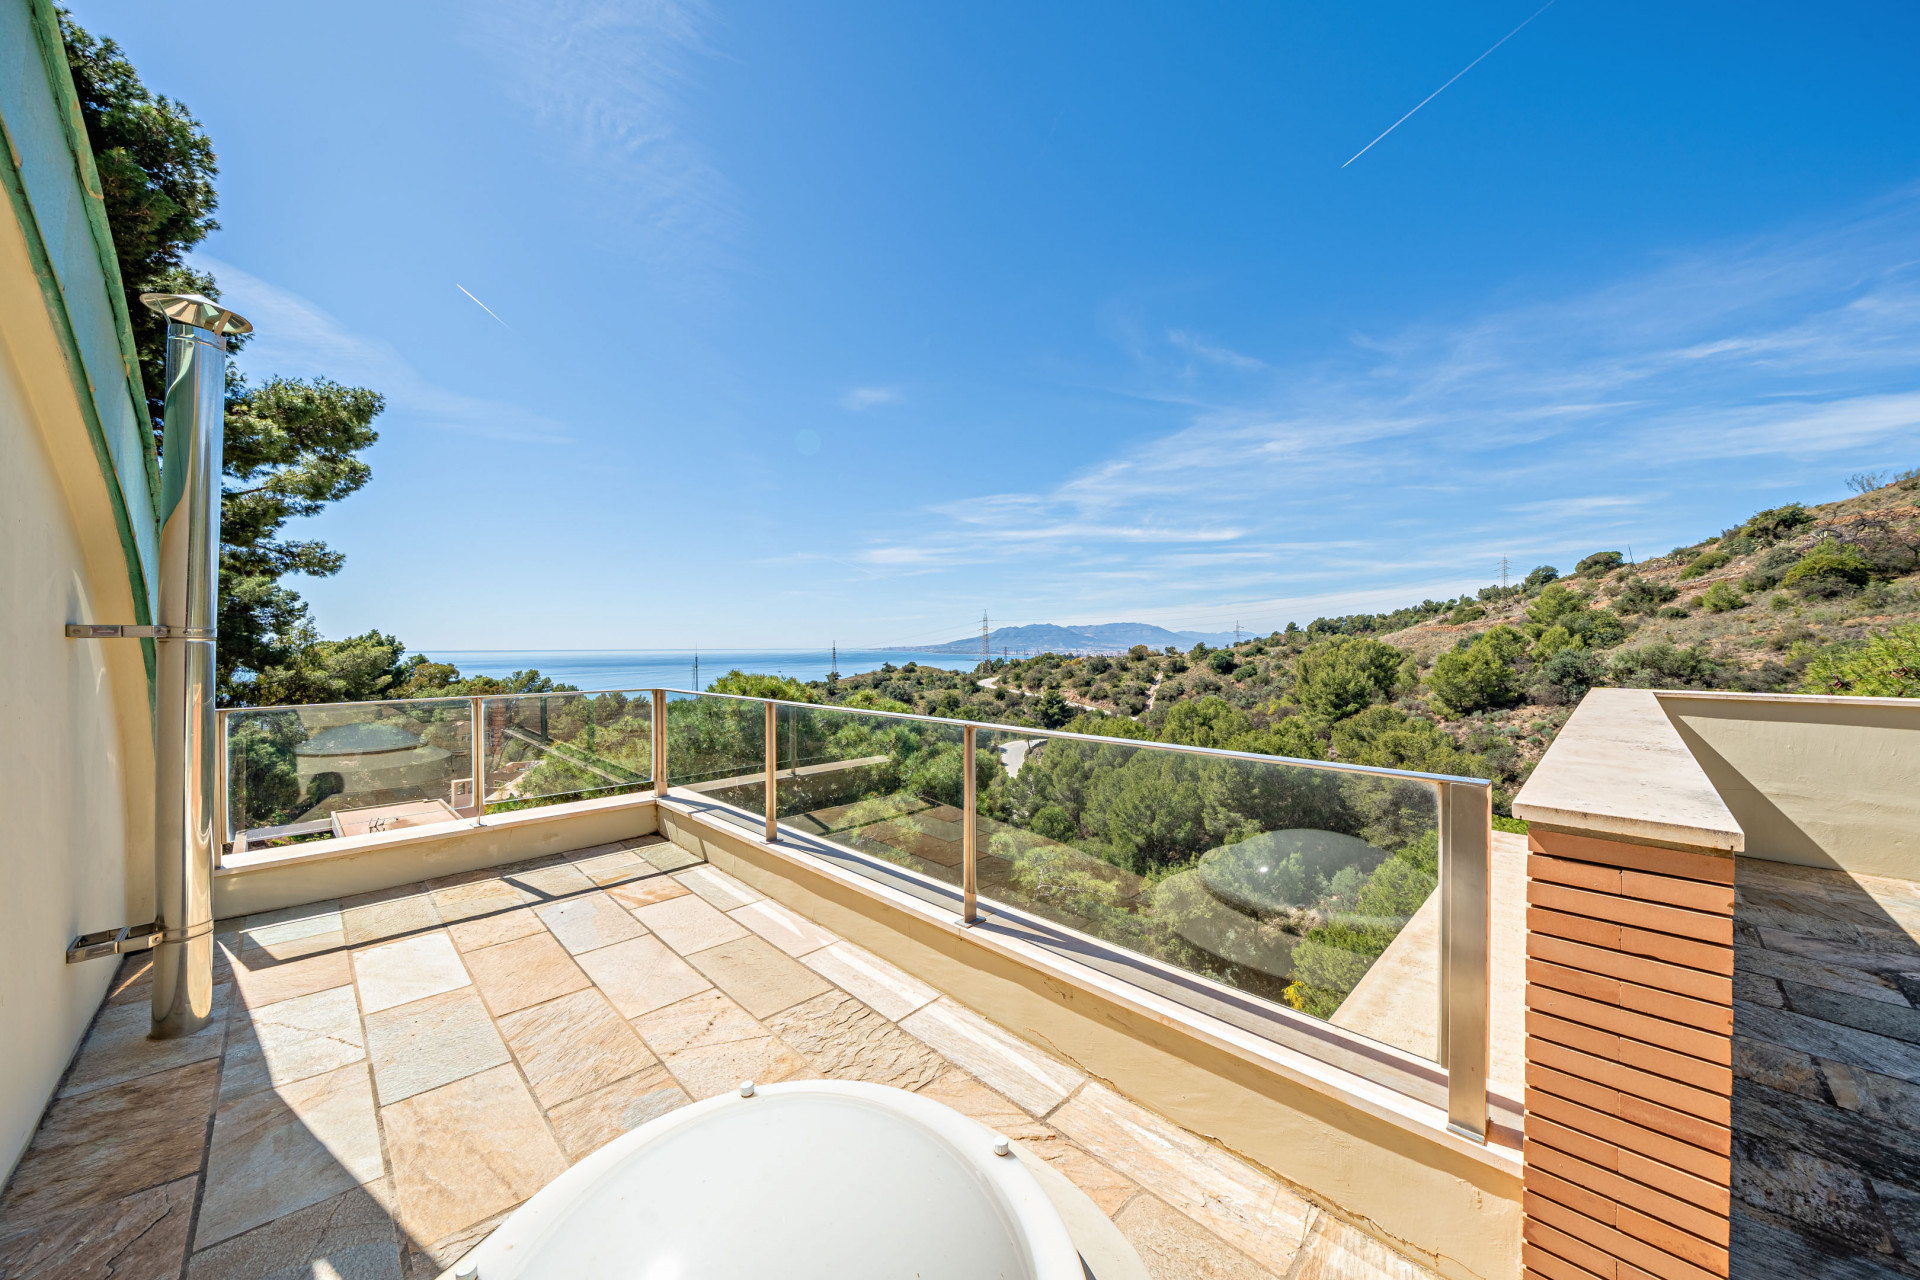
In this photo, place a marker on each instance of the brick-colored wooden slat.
(1716, 1138)
(1577, 875)
(1599, 1207)
(1691, 894)
(1708, 956)
(1558, 924)
(1714, 1107)
(1711, 868)
(1705, 1223)
(1701, 926)
(1696, 1072)
(1605, 1210)
(1709, 1195)
(1710, 1046)
(1540, 1265)
(1619, 1244)
(1683, 1156)
(1545, 1236)
(1632, 996)
(1691, 983)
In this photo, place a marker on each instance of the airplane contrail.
(489, 310)
(1443, 88)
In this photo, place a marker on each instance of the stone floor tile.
(431, 1042)
(706, 1019)
(641, 975)
(283, 1149)
(117, 1049)
(845, 1040)
(348, 1237)
(289, 924)
(1105, 1187)
(761, 977)
(432, 1262)
(717, 887)
(1004, 1062)
(573, 1045)
(589, 922)
(891, 992)
(655, 886)
(524, 972)
(557, 880)
(711, 1070)
(292, 1040)
(388, 913)
(1336, 1251)
(483, 894)
(142, 1236)
(689, 924)
(969, 1097)
(134, 979)
(794, 934)
(312, 944)
(466, 1151)
(491, 931)
(592, 851)
(666, 855)
(1230, 1198)
(592, 1121)
(395, 973)
(101, 1146)
(611, 866)
(263, 980)
(1174, 1247)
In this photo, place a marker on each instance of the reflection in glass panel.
(545, 748)
(307, 772)
(717, 746)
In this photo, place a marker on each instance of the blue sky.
(844, 322)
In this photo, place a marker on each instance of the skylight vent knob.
(1001, 1147)
(746, 1088)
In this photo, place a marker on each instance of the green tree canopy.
(1338, 678)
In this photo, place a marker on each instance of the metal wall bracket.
(134, 631)
(127, 938)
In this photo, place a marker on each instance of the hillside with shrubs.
(1820, 599)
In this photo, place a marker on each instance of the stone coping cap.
(1619, 768)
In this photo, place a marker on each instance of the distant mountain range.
(1105, 637)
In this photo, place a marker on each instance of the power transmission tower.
(1236, 633)
(986, 655)
(1503, 573)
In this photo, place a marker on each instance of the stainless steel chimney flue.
(186, 755)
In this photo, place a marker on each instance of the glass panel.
(310, 772)
(546, 748)
(718, 747)
(890, 788)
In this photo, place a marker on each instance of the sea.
(592, 669)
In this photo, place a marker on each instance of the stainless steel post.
(1466, 875)
(186, 753)
(478, 713)
(223, 779)
(659, 744)
(773, 765)
(969, 831)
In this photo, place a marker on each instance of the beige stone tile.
(1228, 1197)
(292, 1040)
(794, 934)
(481, 895)
(117, 1049)
(349, 1237)
(891, 992)
(283, 1149)
(524, 972)
(100, 1146)
(689, 924)
(708, 1018)
(589, 922)
(759, 975)
(263, 980)
(388, 913)
(610, 864)
(1004, 1062)
(969, 1097)
(592, 851)
(556, 880)
(1106, 1188)
(134, 980)
(304, 945)
(1336, 1251)
(845, 1040)
(717, 887)
(466, 1151)
(655, 886)
(395, 973)
(641, 975)
(491, 931)
(431, 1042)
(667, 855)
(1174, 1247)
(290, 924)
(712, 1070)
(573, 1045)
(432, 1262)
(137, 1236)
(590, 1122)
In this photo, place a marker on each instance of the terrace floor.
(1826, 1061)
(389, 1075)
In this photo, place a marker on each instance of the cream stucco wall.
(1818, 781)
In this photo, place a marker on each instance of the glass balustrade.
(547, 748)
(717, 747)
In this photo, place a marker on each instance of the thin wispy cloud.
(859, 398)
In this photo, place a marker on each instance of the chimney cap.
(201, 313)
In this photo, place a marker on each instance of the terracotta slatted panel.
(1629, 1052)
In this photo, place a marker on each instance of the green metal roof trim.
(54, 190)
